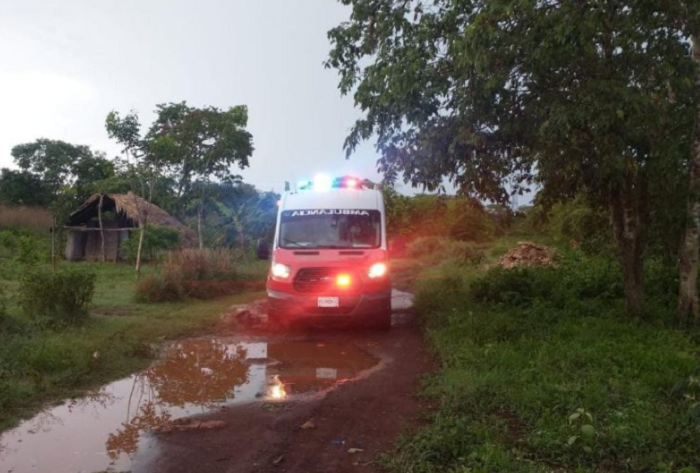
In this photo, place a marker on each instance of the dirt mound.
(247, 315)
(527, 254)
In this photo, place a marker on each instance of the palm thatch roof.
(131, 210)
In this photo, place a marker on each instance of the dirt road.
(250, 398)
(339, 426)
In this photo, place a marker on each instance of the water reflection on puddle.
(106, 429)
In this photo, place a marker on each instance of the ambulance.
(329, 256)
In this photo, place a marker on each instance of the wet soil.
(251, 399)
(341, 431)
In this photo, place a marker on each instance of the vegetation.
(40, 362)
(156, 241)
(597, 99)
(58, 298)
(539, 372)
(200, 274)
(187, 147)
(461, 218)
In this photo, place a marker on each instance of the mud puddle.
(109, 428)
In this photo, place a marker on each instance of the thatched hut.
(113, 217)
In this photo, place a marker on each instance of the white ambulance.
(329, 255)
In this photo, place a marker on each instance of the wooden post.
(53, 244)
(102, 229)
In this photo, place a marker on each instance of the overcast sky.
(66, 64)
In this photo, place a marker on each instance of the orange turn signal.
(343, 280)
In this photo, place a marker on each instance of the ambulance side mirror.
(263, 249)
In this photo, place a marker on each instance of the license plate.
(328, 302)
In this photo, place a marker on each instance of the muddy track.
(251, 398)
(343, 429)
(366, 414)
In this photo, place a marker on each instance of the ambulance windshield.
(330, 228)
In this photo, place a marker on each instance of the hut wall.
(123, 235)
(93, 245)
(75, 246)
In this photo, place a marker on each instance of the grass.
(551, 378)
(121, 336)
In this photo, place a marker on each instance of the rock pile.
(527, 254)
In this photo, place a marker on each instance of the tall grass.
(201, 274)
(34, 218)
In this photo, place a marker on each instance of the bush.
(472, 224)
(575, 279)
(20, 248)
(201, 274)
(201, 265)
(157, 240)
(424, 246)
(159, 288)
(57, 299)
(434, 249)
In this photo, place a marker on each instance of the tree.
(142, 167)
(23, 188)
(688, 301)
(200, 144)
(66, 173)
(241, 213)
(589, 97)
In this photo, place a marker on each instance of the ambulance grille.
(319, 279)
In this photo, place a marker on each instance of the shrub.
(424, 246)
(472, 224)
(158, 288)
(156, 241)
(20, 248)
(438, 248)
(462, 251)
(577, 222)
(575, 279)
(201, 265)
(201, 274)
(57, 299)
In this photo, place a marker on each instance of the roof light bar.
(323, 182)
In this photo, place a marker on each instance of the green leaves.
(584, 437)
(587, 431)
(480, 92)
(54, 174)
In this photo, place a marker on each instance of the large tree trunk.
(629, 212)
(688, 303)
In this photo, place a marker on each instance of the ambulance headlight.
(281, 271)
(378, 270)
